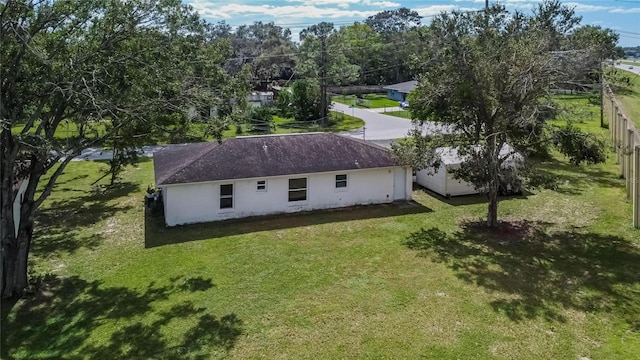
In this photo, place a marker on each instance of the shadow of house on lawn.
(59, 225)
(540, 271)
(56, 321)
(157, 234)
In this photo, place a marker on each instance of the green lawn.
(578, 109)
(418, 280)
(339, 122)
(68, 129)
(403, 114)
(629, 97)
(630, 62)
(370, 100)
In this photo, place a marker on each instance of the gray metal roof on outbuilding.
(264, 156)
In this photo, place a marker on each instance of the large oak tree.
(117, 70)
(488, 75)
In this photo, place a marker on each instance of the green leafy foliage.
(133, 68)
(488, 76)
(261, 119)
(579, 146)
(305, 102)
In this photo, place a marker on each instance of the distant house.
(260, 98)
(259, 175)
(442, 180)
(400, 91)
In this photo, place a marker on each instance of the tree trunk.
(492, 214)
(15, 259)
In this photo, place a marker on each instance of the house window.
(226, 196)
(341, 181)
(298, 189)
(261, 185)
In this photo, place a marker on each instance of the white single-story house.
(260, 98)
(442, 180)
(400, 91)
(260, 175)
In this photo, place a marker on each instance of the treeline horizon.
(378, 50)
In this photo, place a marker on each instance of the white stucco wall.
(199, 202)
(435, 182)
(443, 183)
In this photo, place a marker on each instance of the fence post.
(613, 110)
(622, 124)
(629, 149)
(636, 187)
(614, 126)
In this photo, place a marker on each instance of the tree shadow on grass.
(59, 227)
(157, 234)
(569, 179)
(56, 321)
(540, 272)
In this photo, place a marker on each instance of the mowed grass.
(629, 97)
(419, 280)
(338, 122)
(373, 101)
(403, 114)
(630, 62)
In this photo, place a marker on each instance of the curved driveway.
(382, 127)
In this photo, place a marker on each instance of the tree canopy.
(120, 71)
(489, 76)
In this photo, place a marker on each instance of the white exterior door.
(399, 184)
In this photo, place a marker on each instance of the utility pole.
(486, 4)
(323, 81)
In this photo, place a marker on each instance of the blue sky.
(620, 15)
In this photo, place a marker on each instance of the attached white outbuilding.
(260, 175)
(442, 180)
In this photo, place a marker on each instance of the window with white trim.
(341, 181)
(261, 185)
(226, 196)
(298, 189)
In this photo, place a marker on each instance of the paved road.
(99, 154)
(382, 127)
(636, 68)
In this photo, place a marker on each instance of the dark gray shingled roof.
(263, 156)
(404, 87)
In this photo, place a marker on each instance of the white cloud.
(588, 8)
(437, 9)
(338, 3)
(626, 11)
(211, 10)
(382, 4)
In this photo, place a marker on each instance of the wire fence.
(626, 144)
